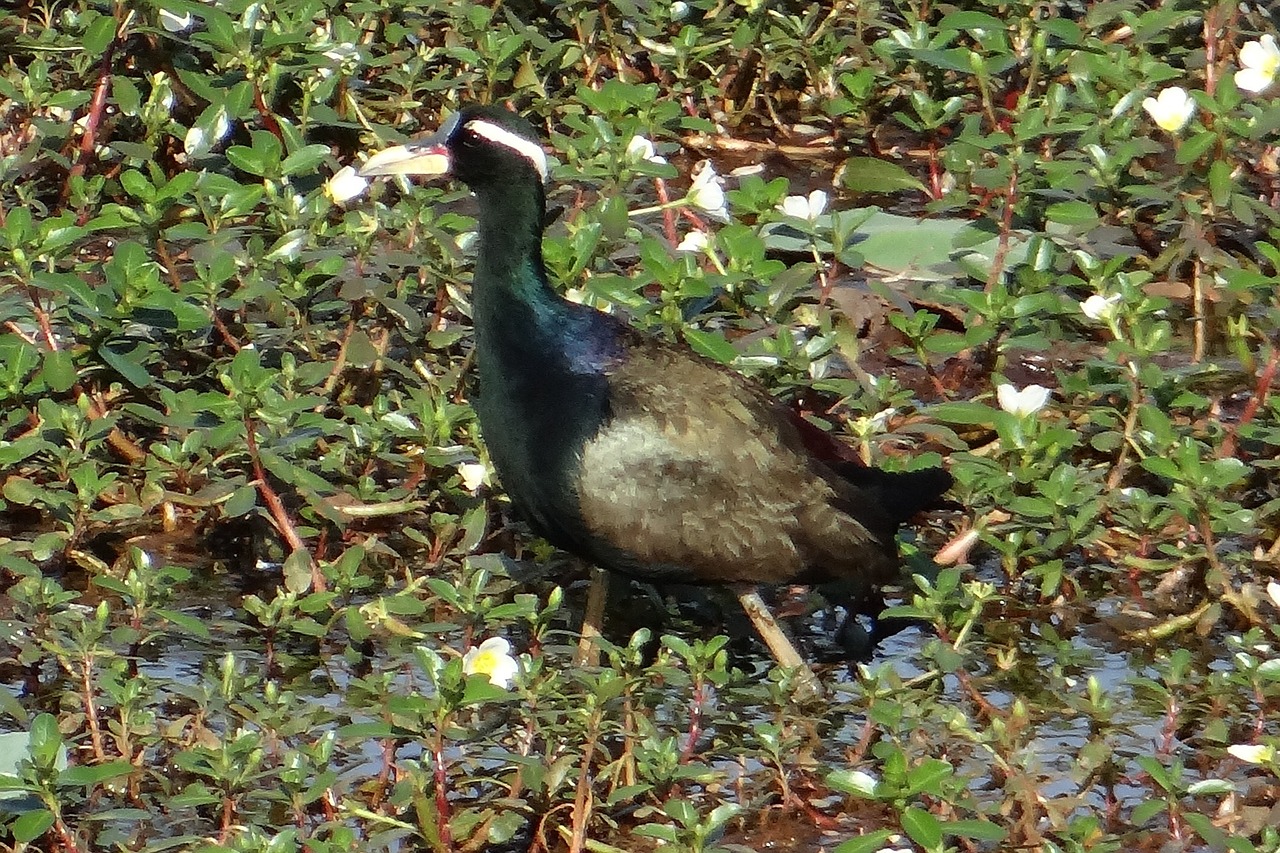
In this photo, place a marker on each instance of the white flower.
(805, 208)
(1261, 61)
(640, 149)
(198, 142)
(1101, 308)
(1252, 753)
(473, 477)
(707, 192)
(880, 420)
(345, 185)
(492, 658)
(344, 56)
(1171, 109)
(1273, 592)
(344, 52)
(861, 782)
(162, 92)
(288, 247)
(695, 242)
(1022, 403)
(399, 421)
(174, 22)
(679, 10)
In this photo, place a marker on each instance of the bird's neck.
(523, 327)
(510, 280)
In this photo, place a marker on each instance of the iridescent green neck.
(510, 280)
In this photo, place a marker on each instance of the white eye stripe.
(527, 149)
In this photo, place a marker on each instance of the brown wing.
(698, 471)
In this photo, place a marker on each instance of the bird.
(634, 452)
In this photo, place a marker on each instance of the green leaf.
(126, 95)
(979, 830)
(1220, 182)
(682, 811)
(22, 491)
(971, 21)
(857, 783)
(1210, 787)
(59, 371)
(304, 161)
(99, 35)
(711, 344)
(31, 825)
(1162, 467)
(963, 413)
(250, 160)
(1075, 214)
(241, 502)
(923, 828)
(220, 32)
(297, 571)
(1144, 812)
(136, 184)
(1064, 30)
(955, 59)
(925, 777)
(873, 175)
(192, 625)
(869, 843)
(1160, 774)
(478, 690)
(372, 730)
(128, 362)
(658, 831)
(1203, 825)
(1192, 149)
(88, 775)
(46, 740)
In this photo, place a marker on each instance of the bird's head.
(479, 145)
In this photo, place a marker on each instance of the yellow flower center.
(485, 662)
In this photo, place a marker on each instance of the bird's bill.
(416, 158)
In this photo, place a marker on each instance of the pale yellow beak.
(416, 158)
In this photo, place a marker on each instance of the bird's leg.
(597, 593)
(807, 685)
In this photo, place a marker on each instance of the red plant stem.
(1265, 378)
(935, 171)
(582, 795)
(384, 773)
(275, 507)
(442, 792)
(228, 818)
(264, 112)
(91, 708)
(166, 260)
(668, 215)
(42, 317)
(1170, 725)
(695, 720)
(1006, 228)
(93, 118)
(65, 835)
(1211, 51)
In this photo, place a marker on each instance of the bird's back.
(697, 475)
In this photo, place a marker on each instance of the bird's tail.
(899, 494)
